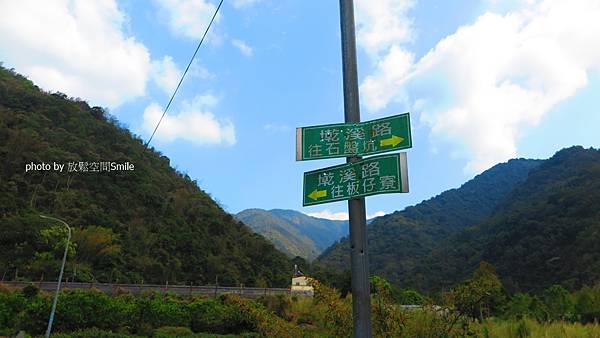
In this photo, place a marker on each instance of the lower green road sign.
(371, 176)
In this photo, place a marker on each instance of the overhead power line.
(183, 76)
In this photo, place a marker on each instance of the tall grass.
(531, 328)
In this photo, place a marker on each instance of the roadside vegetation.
(478, 307)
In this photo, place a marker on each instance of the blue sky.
(485, 81)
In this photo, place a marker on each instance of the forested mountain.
(152, 224)
(546, 232)
(399, 241)
(537, 222)
(293, 232)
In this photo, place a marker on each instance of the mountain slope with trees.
(399, 241)
(293, 232)
(546, 232)
(152, 224)
(536, 222)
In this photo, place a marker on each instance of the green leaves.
(55, 239)
(558, 303)
(478, 296)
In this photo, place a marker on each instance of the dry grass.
(531, 328)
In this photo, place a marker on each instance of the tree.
(96, 244)
(559, 303)
(54, 239)
(519, 306)
(50, 247)
(480, 295)
(587, 303)
(407, 296)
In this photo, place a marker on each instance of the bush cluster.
(123, 314)
(556, 304)
(476, 307)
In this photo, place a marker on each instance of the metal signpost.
(371, 176)
(357, 214)
(359, 139)
(358, 177)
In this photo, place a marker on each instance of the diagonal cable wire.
(183, 76)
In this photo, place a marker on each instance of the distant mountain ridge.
(293, 232)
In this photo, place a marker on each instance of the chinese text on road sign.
(374, 175)
(346, 140)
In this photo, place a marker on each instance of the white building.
(300, 284)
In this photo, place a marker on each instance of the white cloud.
(339, 216)
(483, 86)
(200, 71)
(166, 74)
(376, 214)
(194, 122)
(244, 3)
(382, 27)
(383, 23)
(76, 47)
(328, 214)
(189, 18)
(243, 47)
(384, 85)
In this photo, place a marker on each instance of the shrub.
(30, 291)
(408, 297)
(172, 331)
(388, 318)
(334, 314)
(11, 304)
(124, 308)
(82, 309)
(155, 310)
(279, 304)
(77, 310)
(428, 322)
(92, 333)
(34, 316)
(210, 316)
(258, 319)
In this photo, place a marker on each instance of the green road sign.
(347, 139)
(375, 175)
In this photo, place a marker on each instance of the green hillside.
(546, 232)
(152, 224)
(399, 241)
(293, 232)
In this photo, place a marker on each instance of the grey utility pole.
(361, 295)
(60, 275)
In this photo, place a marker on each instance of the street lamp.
(62, 268)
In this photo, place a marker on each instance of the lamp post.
(60, 275)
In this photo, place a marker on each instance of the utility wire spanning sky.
(485, 81)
